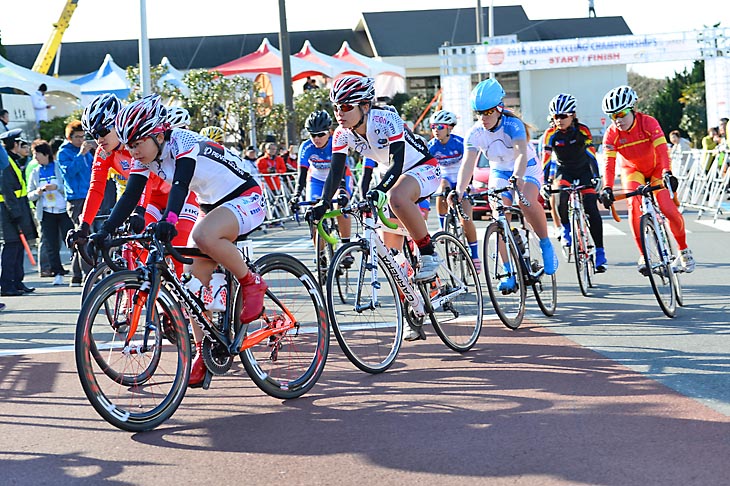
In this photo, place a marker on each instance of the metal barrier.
(704, 180)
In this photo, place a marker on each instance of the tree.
(694, 120)
(666, 106)
(310, 101)
(166, 91)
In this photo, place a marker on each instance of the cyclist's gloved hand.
(670, 180)
(80, 235)
(343, 199)
(378, 197)
(165, 231)
(607, 197)
(100, 239)
(453, 197)
(136, 220)
(316, 212)
(294, 202)
(545, 190)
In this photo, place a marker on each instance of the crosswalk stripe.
(611, 230)
(722, 225)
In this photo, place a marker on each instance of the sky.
(30, 21)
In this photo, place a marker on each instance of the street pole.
(144, 50)
(491, 25)
(286, 73)
(480, 22)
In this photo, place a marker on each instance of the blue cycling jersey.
(448, 155)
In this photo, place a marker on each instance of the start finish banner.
(591, 51)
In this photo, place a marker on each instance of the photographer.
(74, 158)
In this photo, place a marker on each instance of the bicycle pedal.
(207, 380)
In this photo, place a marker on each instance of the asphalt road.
(609, 391)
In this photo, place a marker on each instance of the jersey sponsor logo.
(217, 153)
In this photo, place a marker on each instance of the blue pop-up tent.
(109, 78)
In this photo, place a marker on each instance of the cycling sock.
(474, 247)
(425, 246)
(442, 221)
(345, 240)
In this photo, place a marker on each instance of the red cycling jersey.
(642, 148)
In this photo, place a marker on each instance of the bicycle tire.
(546, 287)
(132, 388)
(581, 258)
(459, 321)
(509, 307)
(658, 267)
(287, 365)
(371, 339)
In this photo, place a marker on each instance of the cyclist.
(379, 133)
(639, 141)
(228, 195)
(448, 150)
(98, 119)
(315, 157)
(214, 133)
(575, 159)
(504, 139)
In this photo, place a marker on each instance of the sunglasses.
(620, 114)
(487, 112)
(438, 126)
(100, 132)
(318, 134)
(344, 108)
(560, 116)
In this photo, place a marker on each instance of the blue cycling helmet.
(487, 94)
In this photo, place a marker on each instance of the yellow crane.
(48, 51)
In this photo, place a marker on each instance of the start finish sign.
(592, 51)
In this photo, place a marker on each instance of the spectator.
(45, 185)
(4, 120)
(250, 154)
(40, 106)
(679, 144)
(712, 138)
(290, 158)
(310, 84)
(271, 163)
(15, 217)
(74, 158)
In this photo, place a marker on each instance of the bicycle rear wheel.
(139, 384)
(498, 267)
(658, 267)
(546, 286)
(582, 254)
(287, 365)
(457, 315)
(369, 332)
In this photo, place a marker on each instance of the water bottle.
(193, 284)
(405, 266)
(520, 236)
(218, 293)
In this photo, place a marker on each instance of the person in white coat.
(40, 105)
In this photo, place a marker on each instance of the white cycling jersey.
(384, 127)
(498, 145)
(218, 171)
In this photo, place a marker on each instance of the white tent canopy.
(333, 66)
(109, 78)
(389, 78)
(173, 77)
(14, 78)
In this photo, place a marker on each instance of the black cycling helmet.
(318, 121)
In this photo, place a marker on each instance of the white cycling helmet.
(352, 90)
(100, 113)
(618, 99)
(178, 117)
(562, 104)
(443, 116)
(141, 119)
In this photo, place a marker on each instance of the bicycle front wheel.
(653, 245)
(581, 254)
(287, 365)
(368, 323)
(455, 295)
(133, 378)
(504, 276)
(545, 287)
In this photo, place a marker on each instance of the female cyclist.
(111, 156)
(228, 195)
(314, 159)
(382, 135)
(448, 150)
(575, 159)
(504, 139)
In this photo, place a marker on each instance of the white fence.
(704, 179)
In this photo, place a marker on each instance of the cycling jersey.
(218, 172)
(384, 128)
(573, 148)
(642, 148)
(448, 155)
(498, 144)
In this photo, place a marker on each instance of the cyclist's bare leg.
(441, 203)
(214, 235)
(402, 198)
(534, 213)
